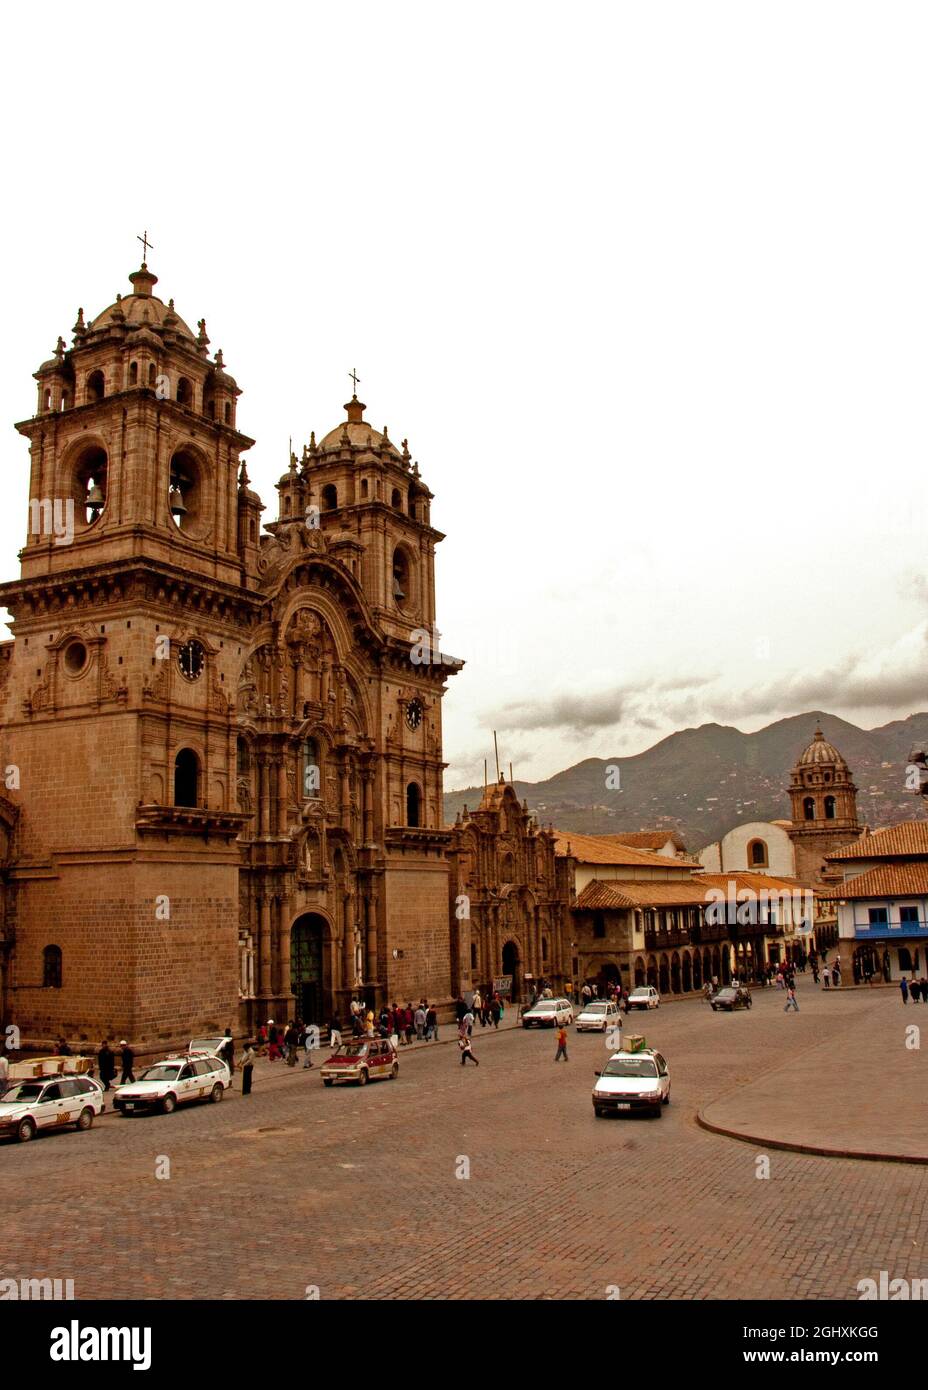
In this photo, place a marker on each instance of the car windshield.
(29, 1091)
(164, 1071)
(595, 1009)
(726, 993)
(547, 1007)
(352, 1050)
(639, 994)
(630, 1066)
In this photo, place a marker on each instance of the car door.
(379, 1060)
(663, 1074)
(53, 1108)
(203, 1071)
(186, 1086)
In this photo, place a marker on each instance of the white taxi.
(548, 1013)
(644, 997)
(63, 1100)
(632, 1081)
(172, 1082)
(598, 1016)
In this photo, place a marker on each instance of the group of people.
(918, 989)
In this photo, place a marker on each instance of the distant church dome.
(359, 432)
(141, 309)
(821, 751)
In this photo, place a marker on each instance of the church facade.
(222, 741)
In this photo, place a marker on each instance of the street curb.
(819, 1150)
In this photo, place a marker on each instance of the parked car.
(598, 1015)
(173, 1082)
(372, 1059)
(644, 997)
(63, 1100)
(548, 1013)
(730, 997)
(632, 1081)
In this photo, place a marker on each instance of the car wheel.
(85, 1119)
(327, 1081)
(598, 1111)
(394, 1071)
(169, 1104)
(658, 1111)
(25, 1131)
(715, 1008)
(215, 1094)
(667, 1098)
(363, 1077)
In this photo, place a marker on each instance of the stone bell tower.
(824, 805)
(129, 618)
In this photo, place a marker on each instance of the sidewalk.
(859, 1095)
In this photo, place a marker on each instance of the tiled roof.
(623, 892)
(894, 842)
(649, 839)
(612, 849)
(754, 882)
(885, 881)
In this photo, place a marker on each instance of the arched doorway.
(663, 977)
(652, 972)
(675, 973)
(512, 965)
(639, 972)
(687, 973)
(697, 970)
(310, 988)
(609, 975)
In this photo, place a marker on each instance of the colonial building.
(222, 745)
(882, 903)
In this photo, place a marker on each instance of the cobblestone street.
(355, 1190)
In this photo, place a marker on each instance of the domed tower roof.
(141, 309)
(357, 432)
(820, 751)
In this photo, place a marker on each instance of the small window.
(96, 386)
(329, 497)
(908, 914)
(312, 771)
(473, 955)
(152, 374)
(757, 855)
(184, 391)
(829, 808)
(364, 487)
(808, 808)
(396, 499)
(51, 967)
(227, 414)
(134, 374)
(186, 778)
(413, 805)
(599, 925)
(878, 916)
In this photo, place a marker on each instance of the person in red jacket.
(561, 1045)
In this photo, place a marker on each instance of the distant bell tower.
(824, 805)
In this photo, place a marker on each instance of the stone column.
(282, 932)
(283, 792)
(264, 946)
(264, 794)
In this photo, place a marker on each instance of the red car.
(367, 1059)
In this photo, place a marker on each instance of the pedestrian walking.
(273, 1044)
(248, 1066)
(467, 1050)
(127, 1057)
(826, 977)
(586, 994)
(310, 1040)
(468, 1022)
(791, 1001)
(431, 1024)
(106, 1064)
(62, 1049)
(561, 1045)
(904, 989)
(477, 1006)
(419, 1019)
(496, 1010)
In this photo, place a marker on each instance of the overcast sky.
(645, 286)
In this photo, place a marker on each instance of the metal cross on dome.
(146, 244)
(355, 378)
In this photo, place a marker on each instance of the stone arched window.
(413, 804)
(186, 778)
(311, 769)
(133, 374)
(96, 386)
(829, 808)
(808, 808)
(329, 497)
(51, 967)
(184, 391)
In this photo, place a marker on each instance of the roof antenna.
(496, 751)
(510, 772)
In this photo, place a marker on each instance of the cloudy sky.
(644, 285)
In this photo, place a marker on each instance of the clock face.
(190, 659)
(413, 714)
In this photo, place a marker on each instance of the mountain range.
(703, 781)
